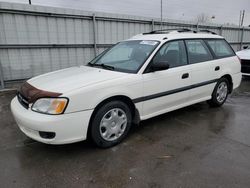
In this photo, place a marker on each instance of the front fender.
(88, 98)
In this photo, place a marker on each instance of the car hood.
(73, 78)
(244, 54)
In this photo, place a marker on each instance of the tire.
(111, 124)
(219, 95)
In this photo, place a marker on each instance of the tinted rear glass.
(220, 48)
(198, 51)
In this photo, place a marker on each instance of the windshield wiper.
(102, 66)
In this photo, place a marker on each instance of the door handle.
(184, 76)
(217, 68)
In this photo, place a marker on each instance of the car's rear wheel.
(111, 124)
(220, 93)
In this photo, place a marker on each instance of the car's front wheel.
(220, 93)
(111, 124)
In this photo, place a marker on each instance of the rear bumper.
(68, 128)
(236, 78)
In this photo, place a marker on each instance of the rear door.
(224, 55)
(204, 69)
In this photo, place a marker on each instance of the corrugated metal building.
(37, 39)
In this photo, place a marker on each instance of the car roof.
(175, 35)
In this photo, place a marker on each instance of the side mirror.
(245, 47)
(159, 66)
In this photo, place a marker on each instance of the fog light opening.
(47, 135)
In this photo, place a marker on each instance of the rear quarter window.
(220, 48)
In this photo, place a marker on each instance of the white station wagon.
(139, 78)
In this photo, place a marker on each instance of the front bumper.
(68, 128)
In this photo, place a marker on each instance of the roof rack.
(207, 31)
(180, 30)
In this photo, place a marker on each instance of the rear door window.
(198, 51)
(220, 48)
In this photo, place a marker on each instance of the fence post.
(241, 39)
(197, 26)
(94, 33)
(221, 30)
(153, 25)
(1, 76)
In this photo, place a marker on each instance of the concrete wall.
(37, 39)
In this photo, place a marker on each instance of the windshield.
(127, 56)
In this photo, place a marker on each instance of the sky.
(224, 11)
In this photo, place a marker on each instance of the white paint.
(86, 87)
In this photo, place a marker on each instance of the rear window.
(220, 48)
(198, 51)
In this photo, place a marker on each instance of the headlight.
(50, 105)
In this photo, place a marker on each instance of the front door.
(166, 90)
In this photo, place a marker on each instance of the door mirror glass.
(159, 66)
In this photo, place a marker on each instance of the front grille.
(23, 101)
(245, 66)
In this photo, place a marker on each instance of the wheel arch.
(230, 80)
(123, 98)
